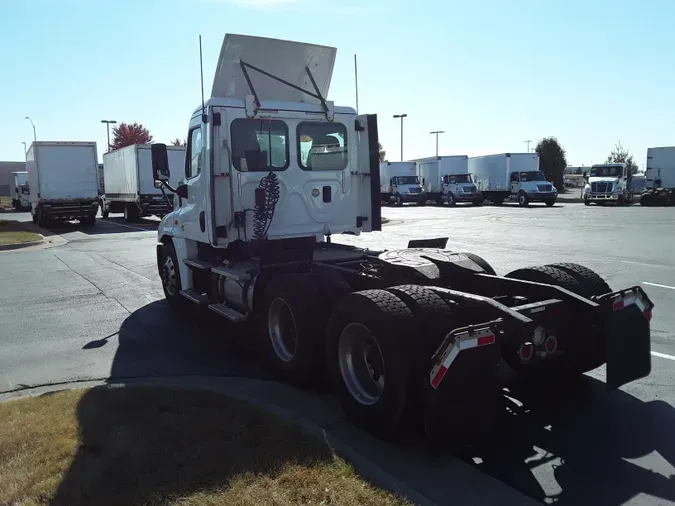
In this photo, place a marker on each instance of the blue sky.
(491, 73)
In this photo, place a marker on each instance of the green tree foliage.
(383, 153)
(621, 155)
(126, 134)
(552, 160)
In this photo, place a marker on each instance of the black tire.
(587, 200)
(169, 274)
(550, 203)
(545, 274)
(439, 201)
(451, 199)
(481, 262)
(105, 214)
(590, 283)
(131, 213)
(294, 306)
(523, 200)
(391, 324)
(34, 217)
(89, 221)
(497, 201)
(421, 202)
(42, 220)
(477, 202)
(398, 201)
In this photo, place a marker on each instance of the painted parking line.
(662, 355)
(114, 223)
(658, 285)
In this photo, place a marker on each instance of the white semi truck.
(63, 181)
(447, 179)
(21, 191)
(129, 187)
(512, 175)
(659, 177)
(400, 183)
(608, 183)
(415, 333)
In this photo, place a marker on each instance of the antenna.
(356, 81)
(201, 72)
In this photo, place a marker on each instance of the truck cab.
(532, 186)
(401, 183)
(608, 182)
(21, 191)
(460, 188)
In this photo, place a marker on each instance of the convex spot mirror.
(160, 162)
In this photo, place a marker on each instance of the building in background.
(6, 179)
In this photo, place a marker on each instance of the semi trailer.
(129, 187)
(21, 193)
(512, 175)
(413, 334)
(400, 183)
(659, 177)
(447, 179)
(63, 181)
(609, 183)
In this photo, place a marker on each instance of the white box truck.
(400, 183)
(129, 187)
(63, 181)
(447, 179)
(20, 191)
(512, 175)
(659, 177)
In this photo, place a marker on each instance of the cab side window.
(193, 160)
(514, 177)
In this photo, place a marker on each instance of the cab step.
(198, 264)
(227, 312)
(236, 274)
(194, 296)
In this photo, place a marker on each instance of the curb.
(20, 245)
(422, 482)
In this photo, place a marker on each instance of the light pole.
(33, 125)
(401, 116)
(436, 133)
(107, 125)
(528, 145)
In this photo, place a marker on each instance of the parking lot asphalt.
(93, 308)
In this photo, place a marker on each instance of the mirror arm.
(166, 185)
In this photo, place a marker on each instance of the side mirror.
(160, 162)
(585, 175)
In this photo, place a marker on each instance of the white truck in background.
(608, 183)
(512, 175)
(63, 181)
(21, 191)
(129, 187)
(447, 179)
(659, 177)
(400, 183)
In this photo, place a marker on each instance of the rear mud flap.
(461, 413)
(628, 346)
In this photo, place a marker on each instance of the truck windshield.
(535, 175)
(407, 180)
(606, 171)
(459, 178)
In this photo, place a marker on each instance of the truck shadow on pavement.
(570, 447)
(575, 447)
(103, 227)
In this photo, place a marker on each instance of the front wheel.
(398, 201)
(550, 203)
(170, 275)
(451, 199)
(523, 200)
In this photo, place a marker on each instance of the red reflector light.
(439, 376)
(551, 344)
(526, 351)
(489, 339)
(618, 305)
(648, 315)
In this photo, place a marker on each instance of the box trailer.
(20, 191)
(129, 187)
(512, 175)
(659, 177)
(63, 181)
(447, 179)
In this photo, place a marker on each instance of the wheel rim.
(282, 329)
(522, 199)
(361, 364)
(169, 276)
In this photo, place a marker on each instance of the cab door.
(367, 173)
(515, 183)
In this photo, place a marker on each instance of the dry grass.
(11, 232)
(153, 446)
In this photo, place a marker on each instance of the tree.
(383, 153)
(126, 134)
(621, 155)
(178, 142)
(552, 160)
